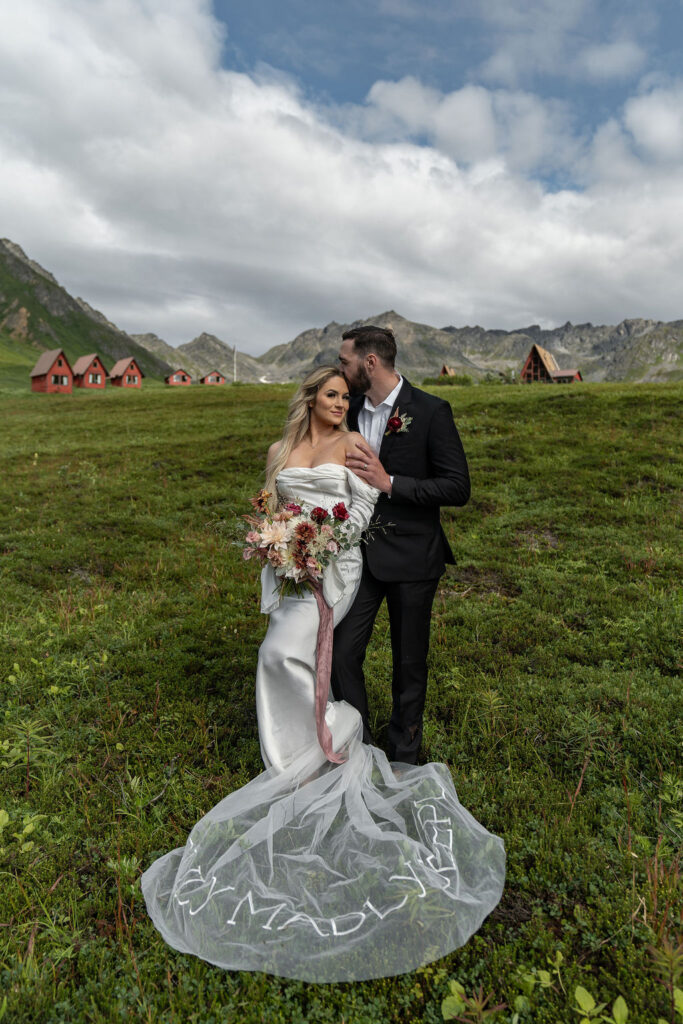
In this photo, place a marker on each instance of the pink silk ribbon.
(323, 658)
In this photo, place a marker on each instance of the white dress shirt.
(373, 419)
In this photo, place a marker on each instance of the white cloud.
(465, 124)
(408, 102)
(644, 143)
(605, 61)
(474, 124)
(656, 122)
(180, 197)
(572, 39)
(531, 37)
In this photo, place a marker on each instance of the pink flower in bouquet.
(275, 559)
(340, 512)
(282, 516)
(313, 568)
(253, 537)
(319, 514)
(332, 546)
(275, 535)
(293, 507)
(326, 531)
(247, 553)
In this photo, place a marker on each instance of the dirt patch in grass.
(537, 540)
(513, 909)
(470, 579)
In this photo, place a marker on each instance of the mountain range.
(36, 313)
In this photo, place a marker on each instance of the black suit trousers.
(410, 607)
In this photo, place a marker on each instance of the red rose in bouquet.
(319, 514)
(340, 512)
(293, 507)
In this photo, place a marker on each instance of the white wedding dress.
(319, 871)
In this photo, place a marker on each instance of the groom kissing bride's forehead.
(413, 454)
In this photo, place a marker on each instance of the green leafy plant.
(461, 1007)
(589, 1010)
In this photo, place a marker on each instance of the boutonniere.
(397, 423)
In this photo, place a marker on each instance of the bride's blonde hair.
(298, 421)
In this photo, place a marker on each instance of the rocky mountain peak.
(15, 250)
(98, 317)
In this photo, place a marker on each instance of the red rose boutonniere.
(397, 423)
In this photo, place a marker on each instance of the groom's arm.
(448, 482)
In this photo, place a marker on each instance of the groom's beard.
(360, 383)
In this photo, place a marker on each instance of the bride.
(334, 866)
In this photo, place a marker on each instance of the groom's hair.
(379, 340)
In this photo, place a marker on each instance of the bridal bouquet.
(297, 544)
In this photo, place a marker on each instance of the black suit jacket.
(429, 468)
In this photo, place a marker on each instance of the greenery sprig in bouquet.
(298, 544)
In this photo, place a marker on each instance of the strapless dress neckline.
(321, 465)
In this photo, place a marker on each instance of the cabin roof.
(564, 373)
(121, 365)
(211, 374)
(179, 369)
(83, 362)
(548, 359)
(46, 360)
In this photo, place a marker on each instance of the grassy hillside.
(129, 632)
(38, 314)
(17, 359)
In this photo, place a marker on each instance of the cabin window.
(60, 363)
(55, 378)
(94, 378)
(184, 378)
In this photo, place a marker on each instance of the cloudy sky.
(252, 168)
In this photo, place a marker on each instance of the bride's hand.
(367, 466)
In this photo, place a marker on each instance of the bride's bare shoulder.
(351, 439)
(272, 452)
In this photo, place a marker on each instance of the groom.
(413, 454)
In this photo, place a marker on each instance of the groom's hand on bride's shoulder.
(364, 463)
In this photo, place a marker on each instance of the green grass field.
(130, 629)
